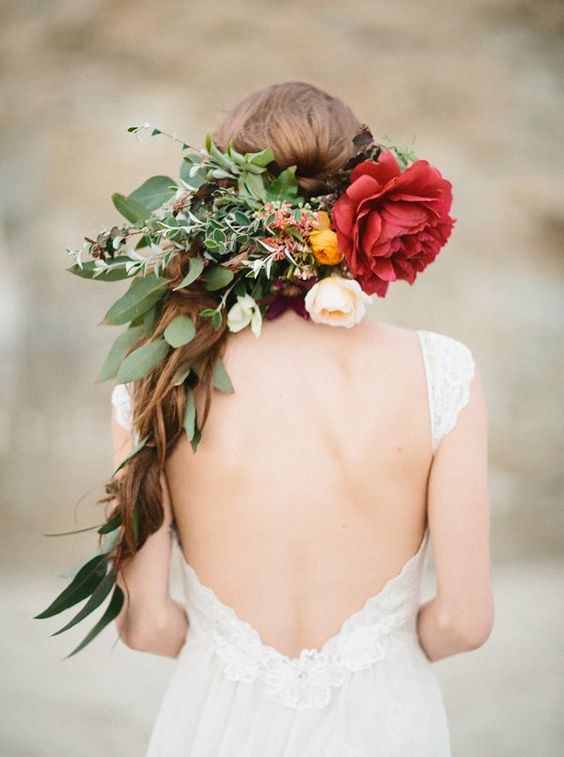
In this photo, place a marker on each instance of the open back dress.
(369, 691)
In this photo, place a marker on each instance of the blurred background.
(474, 87)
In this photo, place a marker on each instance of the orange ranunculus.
(323, 242)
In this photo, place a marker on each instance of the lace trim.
(121, 400)
(450, 367)
(306, 680)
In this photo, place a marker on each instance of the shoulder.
(447, 357)
(450, 370)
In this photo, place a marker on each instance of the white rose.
(337, 301)
(243, 312)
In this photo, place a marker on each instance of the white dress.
(369, 691)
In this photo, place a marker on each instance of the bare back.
(308, 489)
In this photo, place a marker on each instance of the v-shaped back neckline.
(334, 638)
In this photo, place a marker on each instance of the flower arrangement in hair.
(256, 224)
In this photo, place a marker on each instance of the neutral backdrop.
(474, 87)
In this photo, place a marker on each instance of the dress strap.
(449, 368)
(121, 400)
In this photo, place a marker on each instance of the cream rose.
(243, 312)
(337, 301)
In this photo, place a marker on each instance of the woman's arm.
(460, 617)
(151, 621)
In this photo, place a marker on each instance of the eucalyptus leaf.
(190, 415)
(139, 446)
(112, 611)
(195, 268)
(222, 382)
(180, 375)
(216, 320)
(111, 525)
(133, 210)
(180, 331)
(142, 360)
(135, 522)
(78, 531)
(88, 270)
(143, 293)
(196, 439)
(110, 541)
(118, 351)
(82, 585)
(96, 598)
(154, 192)
(216, 277)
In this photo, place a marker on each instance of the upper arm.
(145, 576)
(121, 425)
(458, 512)
(122, 440)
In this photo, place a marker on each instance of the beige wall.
(477, 83)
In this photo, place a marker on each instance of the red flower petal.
(383, 170)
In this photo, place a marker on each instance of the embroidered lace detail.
(450, 367)
(306, 680)
(121, 400)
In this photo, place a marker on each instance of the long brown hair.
(305, 127)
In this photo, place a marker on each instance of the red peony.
(391, 224)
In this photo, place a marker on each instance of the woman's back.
(308, 490)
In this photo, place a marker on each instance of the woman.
(305, 516)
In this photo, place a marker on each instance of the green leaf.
(154, 192)
(195, 180)
(130, 209)
(142, 360)
(241, 218)
(139, 446)
(180, 331)
(141, 295)
(112, 611)
(216, 320)
(143, 241)
(253, 185)
(284, 187)
(110, 541)
(180, 375)
(195, 268)
(220, 157)
(222, 382)
(190, 415)
(262, 158)
(135, 522)
(118, 351)
(82, 585)
(111, 525)
(97, 597)
(216, 277)
(87, 270)
(196, 439)
(198, 368)
(78, 531)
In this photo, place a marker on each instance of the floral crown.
(246, 232)
(241, 230)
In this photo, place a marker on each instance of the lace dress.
(368, 691)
